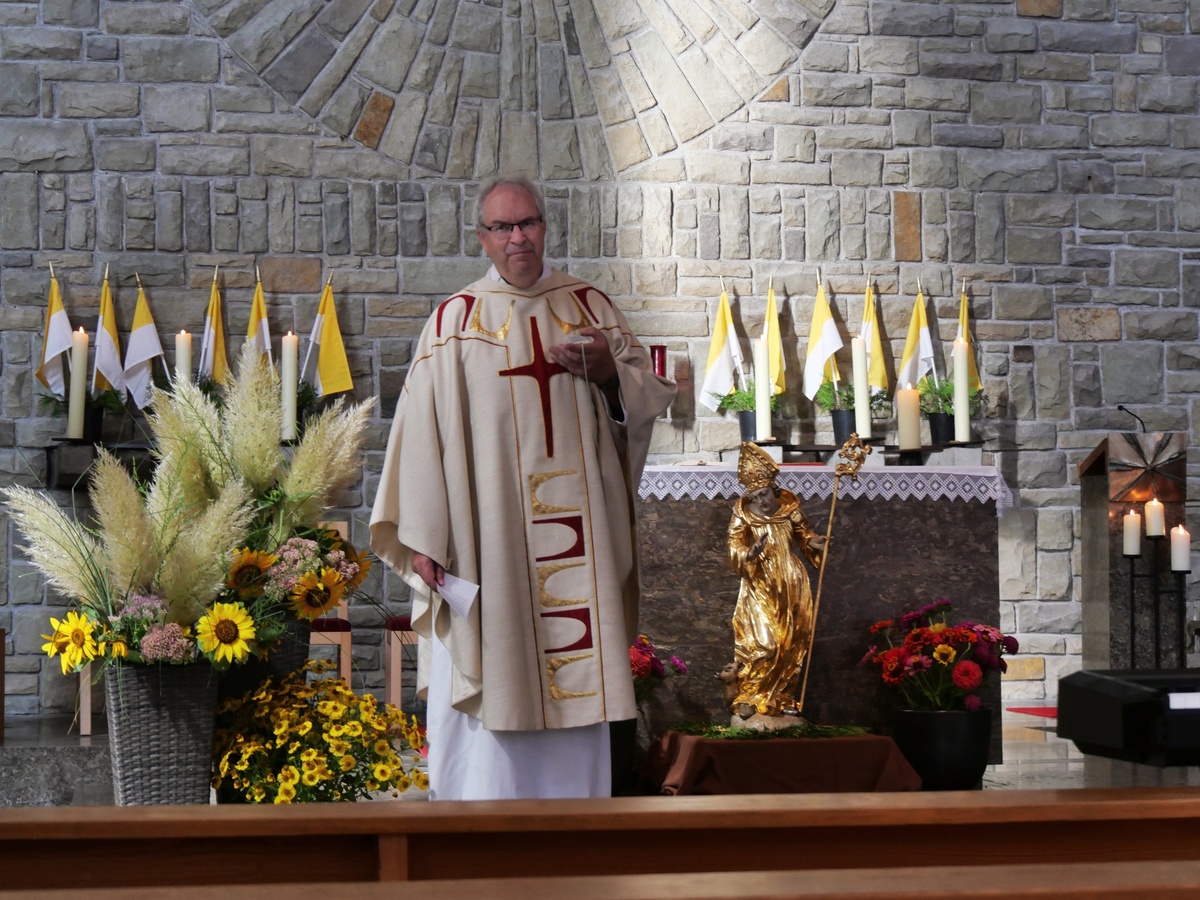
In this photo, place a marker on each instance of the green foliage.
(742, 399)
(728, 732)
(50, 405)
(842, 397)
(939, 397)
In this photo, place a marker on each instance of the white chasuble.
(509, 472)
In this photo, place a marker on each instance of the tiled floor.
(1035, 758)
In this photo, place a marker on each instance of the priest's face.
(516, 254)
(764, 501)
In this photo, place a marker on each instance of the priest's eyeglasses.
(506, 228)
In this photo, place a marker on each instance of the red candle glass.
(658, 358)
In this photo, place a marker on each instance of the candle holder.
(1157, 594)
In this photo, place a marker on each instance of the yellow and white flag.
(144, 346)
(107, 372)
(56, 340)
(823, 342)
(876, 370)
(964, 334)
(724, 358)
(918, 347)
(774, 339)
(332, 374)
(259, 332)
(213, 362)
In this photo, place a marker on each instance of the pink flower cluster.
(168, 644)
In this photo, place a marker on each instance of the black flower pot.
(747, 421)
(843, 425)
(948, 748)
(941, 428)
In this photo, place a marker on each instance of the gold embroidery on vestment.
(548, 600)
(477, 322)
(536, 506)
(568, 327)
(553, 665)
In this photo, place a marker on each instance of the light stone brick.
(149, 60)
(97, 101)
(1052, 366)
(764, 50)
(823, 217)
(858, 169)
(1006, 171)
(836, 90)
(1131, 373)
(1160, 325)
(718, 168)
(1017, 530)
(45, 146)
(681, 105)
(174, 108)
(1146, 268)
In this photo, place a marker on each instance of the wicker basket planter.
(160, 732)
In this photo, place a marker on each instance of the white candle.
(762, 390)
(908, 418)
(183, 356)
(1155, 526)
(962, 401)
(289, 382)
(862, 390)
(1133, 534)
(1181, 549)
(76, 398)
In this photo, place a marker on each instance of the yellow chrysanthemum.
(246, 572)
(287, 793)
(944, 654)
(311, 779)
(316, 593)
(310, 753)
(73, 639)
(382, 772)
(260, 793)
(115, 648)
(382, 747)
(304, 728)
(224, 631)
(289, 775)
(354, 729)
(348, 762)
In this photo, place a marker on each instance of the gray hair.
(519, 181)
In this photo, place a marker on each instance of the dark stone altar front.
(902, 537)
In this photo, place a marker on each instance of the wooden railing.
(72, 847)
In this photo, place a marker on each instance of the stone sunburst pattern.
(563, 89)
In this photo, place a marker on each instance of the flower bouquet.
(936, 665)
(649, 670)
(161, 574)
(157, 577)
(296, 740)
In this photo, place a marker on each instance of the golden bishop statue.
(769, 539)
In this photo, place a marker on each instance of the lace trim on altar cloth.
(978, 483)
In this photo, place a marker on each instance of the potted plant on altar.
(161, 600)
(838, 400)
(939, 669)
(937, 403)
(743, 401)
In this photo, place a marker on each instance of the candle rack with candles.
(1154, 577)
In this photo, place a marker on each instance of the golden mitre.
(756, 469)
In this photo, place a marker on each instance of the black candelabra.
(1157, 593)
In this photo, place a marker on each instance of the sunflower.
(223, 632)
(73, 639)
(246, 572)
(315, 594)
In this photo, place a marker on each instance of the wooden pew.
(67, 847)
(1111, 881)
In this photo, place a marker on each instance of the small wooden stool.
(398, 634)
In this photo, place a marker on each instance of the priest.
(518, 442)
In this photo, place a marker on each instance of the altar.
(902, 537)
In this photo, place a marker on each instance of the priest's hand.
(430, 572)
(591, 359)
(817, 543)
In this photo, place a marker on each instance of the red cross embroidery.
(541, 369)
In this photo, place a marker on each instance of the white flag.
(144, 346)
(107, 372)
(56, 340)
(259, 332)
(823, 342)
(918, 348)
(724, 358)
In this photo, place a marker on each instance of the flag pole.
(854, 451)
(933, 366)
(52, 268)
(741, 371)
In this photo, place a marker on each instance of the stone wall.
(1043, 150)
